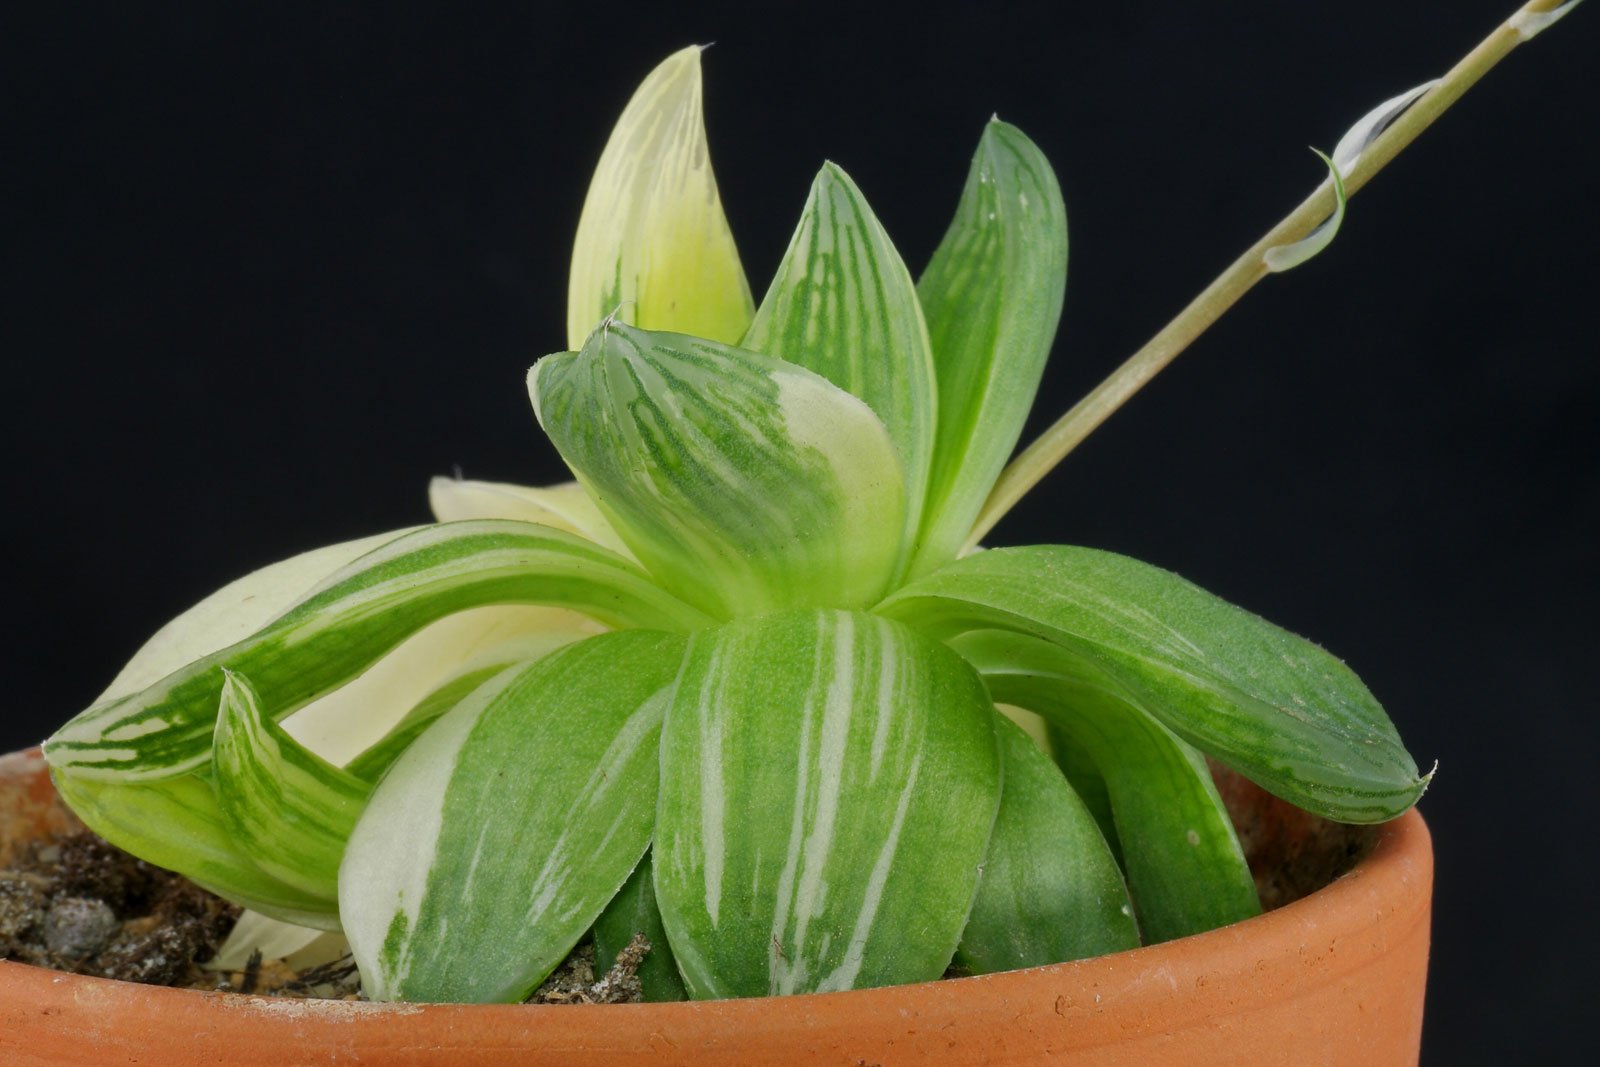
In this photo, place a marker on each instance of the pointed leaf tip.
(653, 242)
(992, 297)
(842, 304)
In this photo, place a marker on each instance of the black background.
(271, 269)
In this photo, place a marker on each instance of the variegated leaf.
(566, 507)
(1050, 889)
(466, 676)
(992, 296)
(497, 839)
(357, 615)
(236, 611)
(829, 782)
(633, 911)
(1185, 868)
(340, 725)
(174, 823)
(744, 483)
(287, 809)
(1275, 707)
(653, 245)
(843, 305)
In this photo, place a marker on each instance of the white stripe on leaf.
(501, 834)
(351, 620)
(836, 873)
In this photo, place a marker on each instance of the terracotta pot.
(1335, 978)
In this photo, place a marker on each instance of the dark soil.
(79, 904)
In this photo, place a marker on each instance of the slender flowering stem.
(1039, 458)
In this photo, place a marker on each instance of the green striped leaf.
(271, 831)
(357, 615)
(1050, 889)
(633, 911)
(992, 297)
(843, 305)
(566, 507)
(744, 483)
(288, 810)
(236, 611)
(1185, 868)
(175, 823)
(829, 782)
(498, 838)
(1275, 707)
(653, 245)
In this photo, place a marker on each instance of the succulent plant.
(749, 685)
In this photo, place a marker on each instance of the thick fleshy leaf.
(843, 304)
(347, 720)
(1185, 868)
(340, 725)
(744, 483)
(566, 507)
(287, 809)
(355, 617)
(175, 823)
(1086, 780)
(498, 838)
(467, 676)
(279, 814)
(1050, 889)
(633, 911)
(992, 297)
(236, 611)
(829, 782)
(1275, 707)
(653, 245)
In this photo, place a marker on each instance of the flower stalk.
(1041, 457)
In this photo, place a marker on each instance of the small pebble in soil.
(79, 904)
(76, 928)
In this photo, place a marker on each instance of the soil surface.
(78, 904)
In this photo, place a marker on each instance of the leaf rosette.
(733, 687)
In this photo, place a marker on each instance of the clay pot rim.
(1392, 884)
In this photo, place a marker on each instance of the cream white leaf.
(653, 245)
(565, 506)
